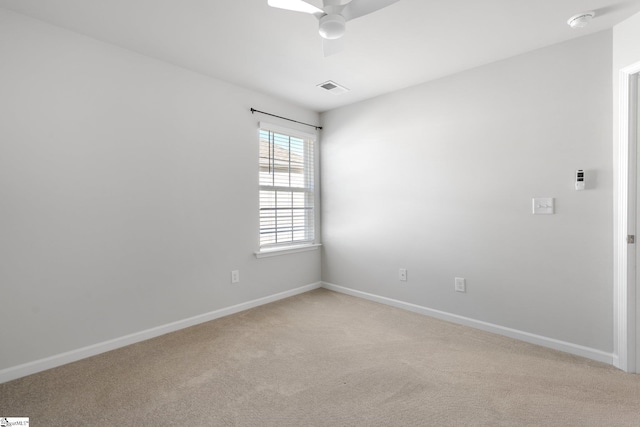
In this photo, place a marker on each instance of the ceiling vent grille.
(333, 87)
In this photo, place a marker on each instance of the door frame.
(624, 289)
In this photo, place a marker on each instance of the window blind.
(286, 178)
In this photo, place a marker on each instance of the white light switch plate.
(543, 206)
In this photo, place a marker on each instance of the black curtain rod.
(253, 110)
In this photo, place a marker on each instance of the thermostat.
(580, 179)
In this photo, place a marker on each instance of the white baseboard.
(23, 370)
(616, 361)
(578, 350)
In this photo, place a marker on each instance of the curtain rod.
(253, 110)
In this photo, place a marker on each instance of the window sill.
(286, 250)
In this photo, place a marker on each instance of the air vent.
(333, 87)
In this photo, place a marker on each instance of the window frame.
(309, 162)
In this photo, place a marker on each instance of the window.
(286, 187)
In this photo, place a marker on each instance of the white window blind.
(286, 187)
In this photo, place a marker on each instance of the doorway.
(626, 299)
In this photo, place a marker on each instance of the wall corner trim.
(36, 366)
(575, 349)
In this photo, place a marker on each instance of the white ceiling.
(279, 52)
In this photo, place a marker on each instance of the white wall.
(438, 179)
(626, 52)
(128, 192)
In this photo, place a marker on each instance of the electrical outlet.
(461, 285)
(235, 276)
(402, 274)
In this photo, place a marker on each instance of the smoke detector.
(333, 87)
(581, 20)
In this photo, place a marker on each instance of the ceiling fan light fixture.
(581, 20)
(332, 26)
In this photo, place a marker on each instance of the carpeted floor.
(327, 359)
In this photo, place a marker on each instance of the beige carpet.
(327, 359)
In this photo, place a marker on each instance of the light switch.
(543, 206)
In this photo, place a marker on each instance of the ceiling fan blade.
(296, 6)
(331, 47)
(333, 2)
(358, 8)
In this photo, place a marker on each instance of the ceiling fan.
(333, 16)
